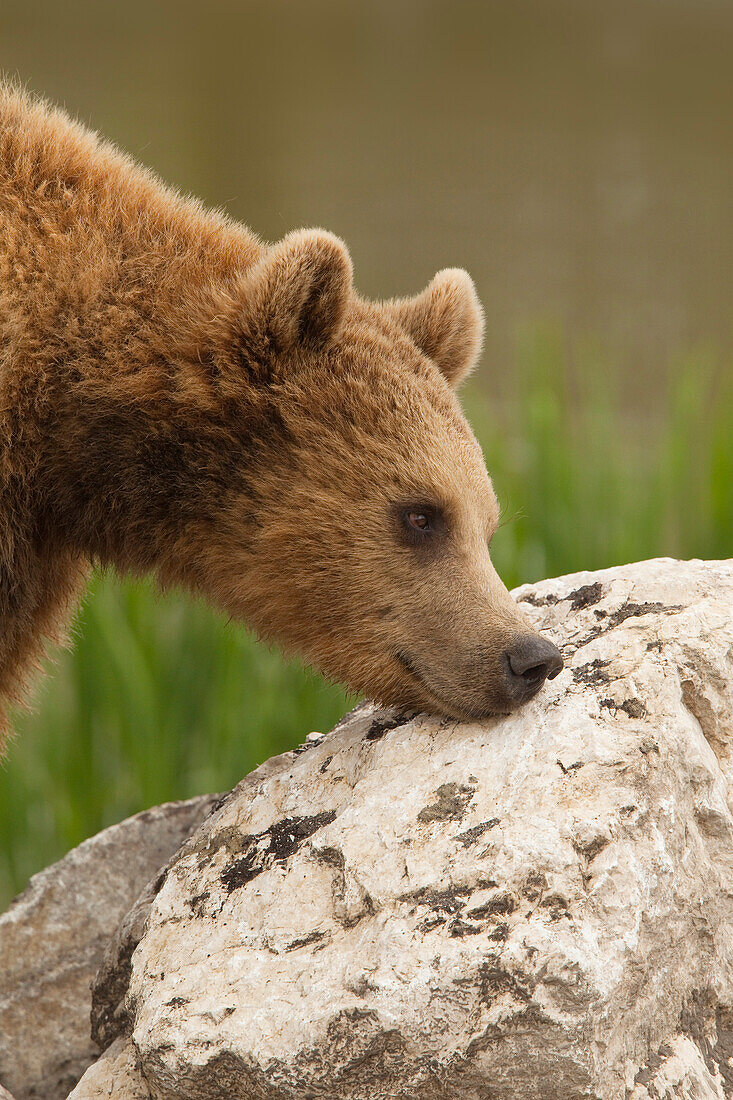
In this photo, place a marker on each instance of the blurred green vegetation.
(161, 699)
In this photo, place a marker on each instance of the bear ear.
(296, 296)
(446, 322)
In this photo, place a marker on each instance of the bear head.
(357, 521)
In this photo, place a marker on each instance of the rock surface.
(52, 939)
(539, 906)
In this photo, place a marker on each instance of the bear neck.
(115, 432)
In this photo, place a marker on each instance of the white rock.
(52, 939)
(539, 906)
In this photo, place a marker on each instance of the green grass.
(161, 699)
(587, 481)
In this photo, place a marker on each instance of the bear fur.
(179, 398)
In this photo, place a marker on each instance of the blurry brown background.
(576, 157)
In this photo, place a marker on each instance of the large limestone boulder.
(52, 939)
(538, 906)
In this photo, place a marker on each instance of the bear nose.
(531, 660)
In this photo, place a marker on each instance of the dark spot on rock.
(500, 932)
(534, 885)
(452, 800)
(325, 764)
(609, 620)
(361, 986)
(208, 846)
(360, 1040)
(591, 848)
(647, 1072)
(305, 941)
(196, 903)
(177, 1002)
(445, 901)
(380, 726)
(632, 610)
(585, 596)
(626, 810)
(473, 834)
(557, 905)
(368, 909)
(286, 836)
(459, 928)
(723, 1050)
(635, 708)
(655, 646)
(698, 1019)
(431, 922)
(238, 1075)
(570, 767)
(274, 845)
(495, 981)
(333, 857)
(501, 905)
(592, 673)
(486, 883)
(527, 1020)
(540, 601)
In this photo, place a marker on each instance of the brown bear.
(177, 397)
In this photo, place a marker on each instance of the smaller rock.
(114, 1077)
(4, 1094)
(52, 939)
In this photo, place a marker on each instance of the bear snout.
(530, 660)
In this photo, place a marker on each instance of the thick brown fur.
(178, 398)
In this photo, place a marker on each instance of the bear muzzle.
(513, 675)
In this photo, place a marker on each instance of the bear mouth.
(452, 710)
(411, 669)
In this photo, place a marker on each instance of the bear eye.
(419, 521)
